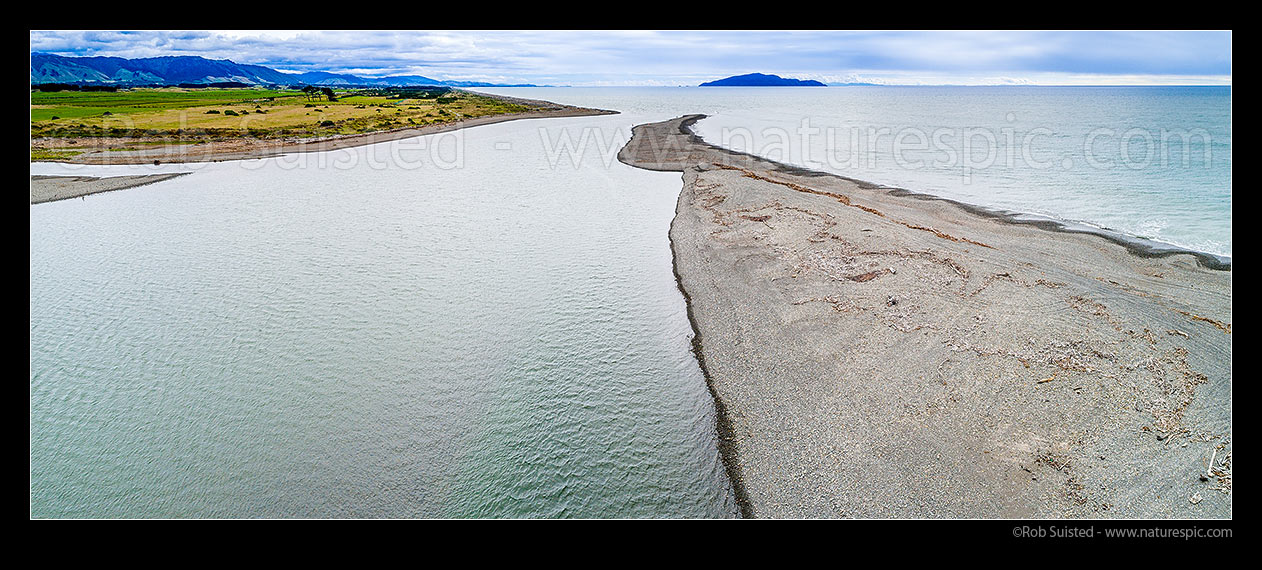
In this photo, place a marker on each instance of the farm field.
(67, 123)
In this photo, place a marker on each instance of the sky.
(625, 57)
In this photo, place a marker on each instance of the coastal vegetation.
(66, 122)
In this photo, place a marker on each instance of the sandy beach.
(877, 353)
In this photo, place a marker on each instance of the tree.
(328, 93)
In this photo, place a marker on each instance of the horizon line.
(662, 83)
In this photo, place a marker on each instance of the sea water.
(1146, 162)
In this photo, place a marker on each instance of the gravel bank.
(53, 188)
(879, 354)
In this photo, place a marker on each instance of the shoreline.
(1142, 247)
(51, 188)
(872, 355)
(722, 421)
(245, 148)
(46, 189)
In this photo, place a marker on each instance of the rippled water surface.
(380, 332)
(1149, 162)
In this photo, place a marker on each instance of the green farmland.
(180, 116)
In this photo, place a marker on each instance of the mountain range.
(50, 68)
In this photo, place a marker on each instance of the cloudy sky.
(611, 57)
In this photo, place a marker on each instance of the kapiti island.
(761, 80)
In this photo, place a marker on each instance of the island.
(761, 80)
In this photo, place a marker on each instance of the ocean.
(1146, 162)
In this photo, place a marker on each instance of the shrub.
(212, 112)
(230, 113)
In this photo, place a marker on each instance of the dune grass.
(183, 116)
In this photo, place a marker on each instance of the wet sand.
(876, 353)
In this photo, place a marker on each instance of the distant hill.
(173, 70)
(761, 80)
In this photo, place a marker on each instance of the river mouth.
(1149, 165)
(497, 333)
(502, 338)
